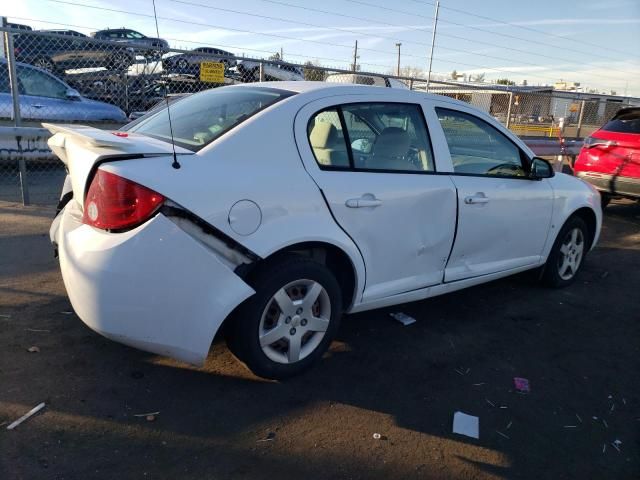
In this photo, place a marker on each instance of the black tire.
(243, 332)
(45, 64)
(182, 65)
(552, 276)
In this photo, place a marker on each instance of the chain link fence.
(115, 76)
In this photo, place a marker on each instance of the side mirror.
(73, 94)
(540, 168)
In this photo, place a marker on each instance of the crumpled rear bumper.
(154, 288)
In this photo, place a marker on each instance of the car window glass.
(5, 87)
(35, 82)
(624, 123)
(388, 136)
(327, 139)
(136, 35)
(199, 119)
(478, 148)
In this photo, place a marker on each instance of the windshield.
(628, 122)
(199, 119)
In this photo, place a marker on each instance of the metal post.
(411, 84)
(281, 55)
(580, 115)
(17, 119)
(3, 23)
(355, 58)
(433, 42)
(509, 110)
(261, 79)
(398, 69)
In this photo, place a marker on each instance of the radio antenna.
(175, 164)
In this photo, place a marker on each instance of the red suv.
(610, 157)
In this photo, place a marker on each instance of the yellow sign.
(574, 107)
(212, 72)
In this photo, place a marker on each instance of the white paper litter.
(30, 413)
(403, 318)
(467, 425)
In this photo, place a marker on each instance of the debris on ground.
(66, 312)
(39, 330)
(466, 425)
(616, 444)
(33, 349)
(26, 416)
(403, 318)
(270, 437)
(150, 414)
(522, 384)
(377, 436)
(502, 434)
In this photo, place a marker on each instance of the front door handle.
(364, 201)
(38, 105)
(477, 198)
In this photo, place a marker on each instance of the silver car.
(46, 97)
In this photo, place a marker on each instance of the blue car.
(46, 97)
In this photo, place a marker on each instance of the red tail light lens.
(115, 203)
(591, 142)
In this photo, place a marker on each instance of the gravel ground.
(579, 348)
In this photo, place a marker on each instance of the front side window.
(477, 148)
(388, 136)
(199, 119)
(35, 82)
(135, 35)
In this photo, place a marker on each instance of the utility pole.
(433, 42)
(281, 54)
(398, 69)
(355, 57)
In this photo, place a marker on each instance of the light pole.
(433, 42)
(398, 69)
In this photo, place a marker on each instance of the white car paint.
(165, 288)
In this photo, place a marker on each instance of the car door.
(374, 164)
(43, 97)
(503, 216)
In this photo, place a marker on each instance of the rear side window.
(327, 139)
(624, 123)
(199, 119)
(478, 148)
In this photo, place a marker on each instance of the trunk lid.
(80, 148)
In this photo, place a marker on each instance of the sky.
(594, 42)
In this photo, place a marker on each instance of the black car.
(60, 50)
(149, 47)
(190, 62)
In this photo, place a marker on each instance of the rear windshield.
(625, 123)
(199, 119)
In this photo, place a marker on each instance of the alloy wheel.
(295, 321)
(571, 253)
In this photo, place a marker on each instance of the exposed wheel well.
(336, 260)
(589, 218)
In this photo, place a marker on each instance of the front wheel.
(567, 255)
(289, 323)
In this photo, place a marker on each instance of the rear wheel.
(120, 61)
(567, 255)
(290, 321)
(45, 64)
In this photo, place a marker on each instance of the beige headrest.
(323, 135)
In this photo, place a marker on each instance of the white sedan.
(273, 209)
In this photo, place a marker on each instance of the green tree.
(313, 73)
(505, 81)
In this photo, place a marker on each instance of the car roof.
(302, 87)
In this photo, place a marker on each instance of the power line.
(524, 27)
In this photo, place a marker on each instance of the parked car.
(61, 50)
(170, 99)
(610, 157)
(249, 71)
(46, 97)
(19, 26)
(190, 62)
(149, 47)
(362, 79)
(253, 210)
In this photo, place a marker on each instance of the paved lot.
(579, 347)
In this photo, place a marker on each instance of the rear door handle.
(38, 105)
(477, 198)
(363, 202)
